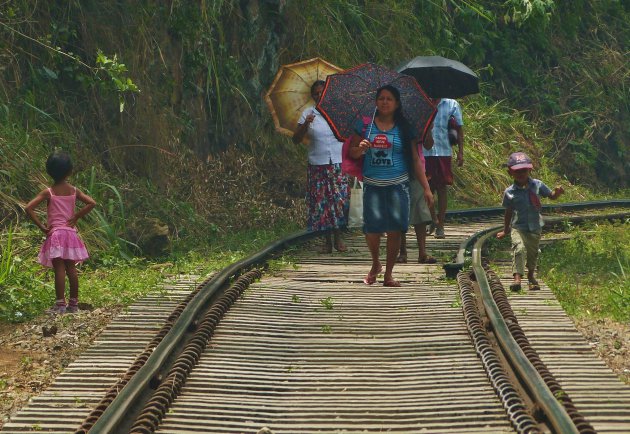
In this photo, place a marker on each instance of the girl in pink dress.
(63, 248)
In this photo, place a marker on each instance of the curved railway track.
(312, 349)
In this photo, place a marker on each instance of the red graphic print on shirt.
(380, 142)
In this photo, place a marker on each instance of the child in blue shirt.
(522, 206)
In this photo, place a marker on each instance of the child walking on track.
(63, 248)
(522, 206)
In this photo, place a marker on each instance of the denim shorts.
(385, 209)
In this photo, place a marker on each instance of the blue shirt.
(385, 160)
(526, 214)
(441, 146)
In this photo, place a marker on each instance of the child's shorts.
(419, 212)
(385, 209)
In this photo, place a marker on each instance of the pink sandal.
(370, 279)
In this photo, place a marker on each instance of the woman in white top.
(327, 194)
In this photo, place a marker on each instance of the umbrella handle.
(371, 123)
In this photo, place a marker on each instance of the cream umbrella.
(290, 92)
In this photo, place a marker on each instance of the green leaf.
(50, 73)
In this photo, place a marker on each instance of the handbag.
(355, 213)
(351, 166)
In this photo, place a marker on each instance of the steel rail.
(118, 411)
(452, 268)
(556, 414)
(498, 210)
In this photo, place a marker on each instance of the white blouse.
(324, 148)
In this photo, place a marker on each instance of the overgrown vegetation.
(590, 273)
(106, 279)
(160, 105)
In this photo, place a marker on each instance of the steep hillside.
(166, 97)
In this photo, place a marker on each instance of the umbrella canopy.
(441, 77)
(290, 92)
(351, 95)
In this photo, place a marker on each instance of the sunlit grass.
(108, 280)
(590, 272)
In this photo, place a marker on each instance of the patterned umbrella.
(290, 92)
(351, 95)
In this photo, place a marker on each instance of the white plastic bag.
(355, 215)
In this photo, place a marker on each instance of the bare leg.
(402, 257)
(374, 244)
(60, 278)
(442, 203)
(421, 238)
(393, 247)
(339, 244)
(327, 246)
(73, 278)
(432, 209)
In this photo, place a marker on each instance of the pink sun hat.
(519, 160)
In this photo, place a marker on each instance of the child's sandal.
(58, 309)
(73, 306)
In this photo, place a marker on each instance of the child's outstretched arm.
(30, 209)
(89, 205)
(556, 192)
(507, 221)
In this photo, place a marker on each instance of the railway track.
(312, 349)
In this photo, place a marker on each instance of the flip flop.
(533, 286)
(402, 259)
(392, 283)
(341, 248)
(370, 279)
(427, 260)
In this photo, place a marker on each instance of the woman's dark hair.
(317, 83)
(406, 130)
(58, 165)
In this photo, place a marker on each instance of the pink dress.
(62, 240)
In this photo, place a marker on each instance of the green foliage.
(22, 291)
(554, 82)
(107, 279)
(328, 303)
(589, 272)
(107, 222)
(116, 71)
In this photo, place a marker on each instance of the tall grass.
(6, 257)
(107, 222)
(589, 272)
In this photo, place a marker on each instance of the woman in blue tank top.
(388, 160)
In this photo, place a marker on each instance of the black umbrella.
(441, 77)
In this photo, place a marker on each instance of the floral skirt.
(328, 197)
